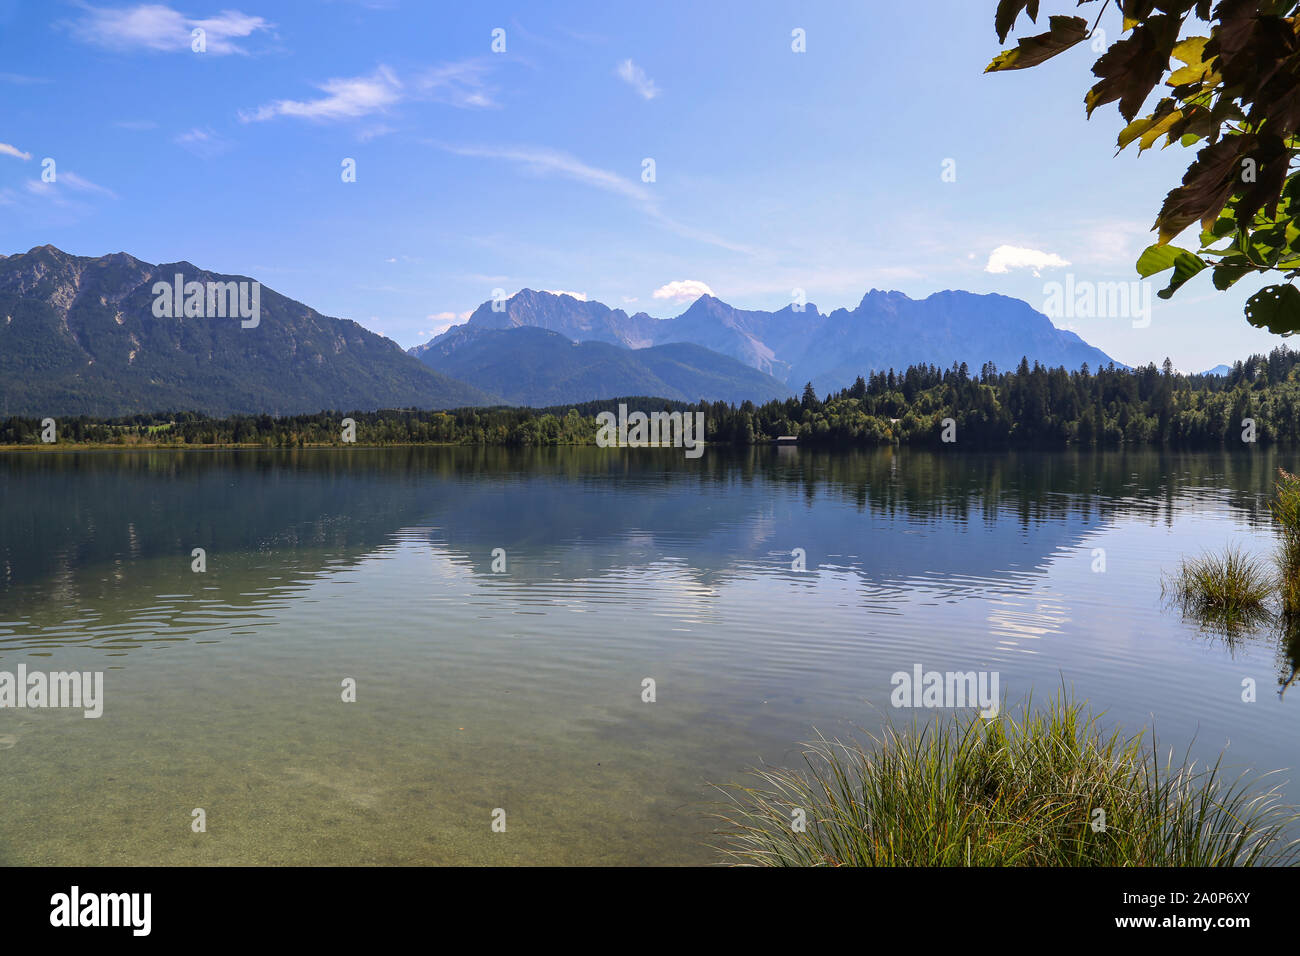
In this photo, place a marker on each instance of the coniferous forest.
(1028, 407)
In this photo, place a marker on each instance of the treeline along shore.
(1032, 406)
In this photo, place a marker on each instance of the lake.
(520, 687)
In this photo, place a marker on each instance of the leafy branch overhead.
(1229, 79)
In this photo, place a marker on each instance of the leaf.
(1132, 67)
(1008, 11)
(1223, 227)
(1206, 187)
(1158, 128)
(1276, 308)
(1064, 33)
(1225, 275)
(1191, 51)
(1157, 258)
(1133, 130)
(1186, 265)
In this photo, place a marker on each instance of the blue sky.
(475, 170)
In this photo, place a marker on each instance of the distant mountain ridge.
(529, 365)
(885, 330)
(78, 336)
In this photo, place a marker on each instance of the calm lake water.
(522, 690)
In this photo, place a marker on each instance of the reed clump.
(1229, 591)
(1047, 788)
(1286, 512)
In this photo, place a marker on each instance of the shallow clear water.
(522, 690)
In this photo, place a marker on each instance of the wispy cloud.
(1005, 258)
(442, 321)
(549, 161)
(158, 28)
(580, 296)
(20, 79)
(636, 78)
(71, 180)
(202, 141)
(14, 151)
(345, 98)
(462, 85)
(683, 290)
(544, 161)
(374, 132)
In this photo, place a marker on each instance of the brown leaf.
(1208, 184)
(1064, 33)
(1132, 67)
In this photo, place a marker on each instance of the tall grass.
(1286, 511)
(1003, 792)
(1229, 592)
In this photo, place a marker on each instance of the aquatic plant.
(1042, 789)
(1229, 592)
(1286, 511)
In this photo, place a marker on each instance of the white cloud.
(460, 84)
(159, 28)
(545, 161)
(83, 184)
(202, 141)
(40, 187)
(1005, 258)
(580, 296)
(345, 98)
(442, 321)
(374, 132)
(14, 151)
(682, 290)
(636, 78)
(456, 84)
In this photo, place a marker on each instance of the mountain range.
(78, 336)
(534, 366)
(85, 336)
(793, 346)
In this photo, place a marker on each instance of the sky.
(635, 154)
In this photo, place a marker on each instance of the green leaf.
(1276, 308)
(1157, 259)
(1225, 274)
(1186, 265)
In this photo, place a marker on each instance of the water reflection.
(484, 688)
(96, 545)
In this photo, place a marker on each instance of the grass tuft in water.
(1286, 511)
(1228, 591)
(1009, 791)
